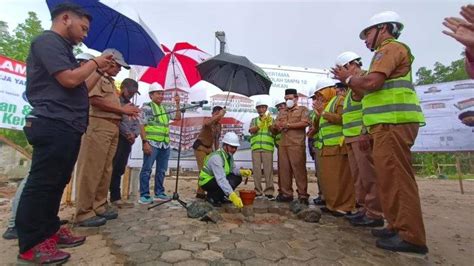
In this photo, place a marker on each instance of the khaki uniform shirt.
(294, 137)
(209, 135)
(105, 88)
(391, 59)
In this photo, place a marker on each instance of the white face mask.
(290, 103)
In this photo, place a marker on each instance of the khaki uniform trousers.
(396, 181)
(336, 179)
(292, 160)
(94, 167)
(362, 169)
(200, 153)
(263, 160)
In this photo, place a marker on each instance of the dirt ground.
(448, 216)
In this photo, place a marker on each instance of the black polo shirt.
(49, 54)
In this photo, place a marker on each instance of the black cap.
(290, 91)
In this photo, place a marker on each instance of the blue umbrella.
(111, 29)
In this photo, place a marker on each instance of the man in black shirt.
(58, 92)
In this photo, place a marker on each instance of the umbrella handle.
(230, 87)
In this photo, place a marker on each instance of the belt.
(111, 120)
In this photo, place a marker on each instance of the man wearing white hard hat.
(359, 150)
(155, 135)
(219, 177)
(262, 144)
(392, 114)
(98, 147)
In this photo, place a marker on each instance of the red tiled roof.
(230, 121)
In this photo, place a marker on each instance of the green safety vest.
(395, 103)
(351, 117)
(158, 128)
(330, 134)
(207, 175)
(277, 139)
(263, 139)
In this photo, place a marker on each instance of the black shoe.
(10, 233)
(338, 213)
(325, 209)
(214, 202)
(95, 221)
(356, 215)
(282, 198)
(395, 243)
(303, 201)
(109, 214)
(319, 201)
(366, 221)
(383, 233)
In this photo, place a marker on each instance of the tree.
(16, 46)
(442, 73)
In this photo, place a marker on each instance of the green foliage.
(17, 137)
(16, 46)
(441, 73)
(427, 163)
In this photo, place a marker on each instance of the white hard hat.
(84, 56)
(230, 138)
(346, 58)
(382, 18)
(279, 101)
(261, 102)
(324, 83)
(117, 57)
(155, 86)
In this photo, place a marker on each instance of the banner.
(13, 104)
(442, 103)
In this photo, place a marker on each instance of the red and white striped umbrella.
(177, 69)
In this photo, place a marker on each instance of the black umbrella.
(235, 73)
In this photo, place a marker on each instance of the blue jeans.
(161, 157)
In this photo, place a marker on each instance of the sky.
(290, 33)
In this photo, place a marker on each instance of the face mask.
(290, 103)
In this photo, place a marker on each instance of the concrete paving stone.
(279, 245)
(181, 238)
(134, 247)
(87, 231)
(268, 254)
(218, 231)
(191, 262)
(156, 263)
(162, 227)
(118, 235)
(155, 239)
(257, 237)
(208, 255)
(290, 262)
(122, 229)
(225, 262)
(248, 244)
(229, 208)
(140, 227)
(411, 259)
(321, 261)
(241, 230)
(165, 246)
(128, 218)
(327, 253)
(174, 256)
(126, 240)
(299, 254)
(351, 261)
(172, 232)
(302, 244)
(239, 254)
(192, 245)
(352, 251)
(308, 236)
(221, 245)
(208, 238)
(140, 257)
(257, 262)
(146, 233)
(233, 237)
(281, 235)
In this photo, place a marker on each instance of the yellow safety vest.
(207, 175)
(158, 128)
(330, 134)
(395, 103)
(263, 139)
(351, 116)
